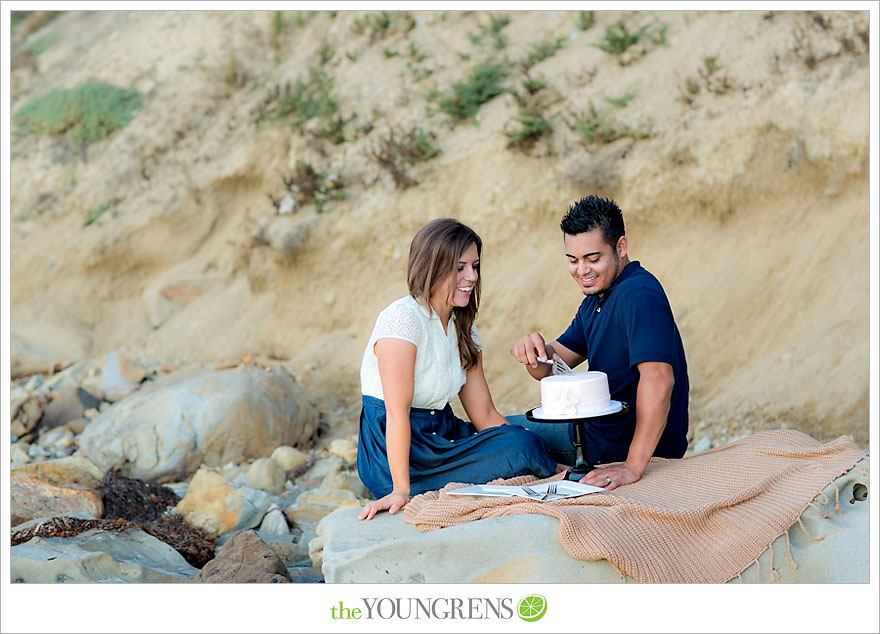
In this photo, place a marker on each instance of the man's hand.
(392, 503)
(528, 348)
(612, 477)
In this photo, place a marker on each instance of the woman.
(425, 350)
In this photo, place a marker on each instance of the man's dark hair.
(594, 212)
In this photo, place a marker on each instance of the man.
(624, 328)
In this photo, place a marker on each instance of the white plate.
(615, 407)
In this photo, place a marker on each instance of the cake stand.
(581, 465)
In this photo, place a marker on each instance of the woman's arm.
(397, 365)
(477, 400)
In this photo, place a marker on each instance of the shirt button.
(432, 412)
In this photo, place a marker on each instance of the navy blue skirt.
(444, 449)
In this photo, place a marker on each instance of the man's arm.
(652, 408)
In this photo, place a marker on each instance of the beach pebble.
(245, 558)
(267, 475)
(289, 457)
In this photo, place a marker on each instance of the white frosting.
(576, 394)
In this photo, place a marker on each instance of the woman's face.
(458, 288)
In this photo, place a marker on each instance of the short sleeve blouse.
(438, 373)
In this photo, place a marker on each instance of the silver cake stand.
(581, 465)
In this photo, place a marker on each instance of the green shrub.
(586, 20)
(42, 43)
(532, 126)
(301, 102)
(400, 149)
(621, 102)
(84, 114)
(533, 85)
(310, 186)
(542, 50)
(99, 211)
(485, 82)
(596, 128)
(493, 31)
(618, 38)
(17, 17)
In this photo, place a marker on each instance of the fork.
(551, 490)
(559, 366)
(529, 490)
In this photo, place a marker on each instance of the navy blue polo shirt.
(631, 323)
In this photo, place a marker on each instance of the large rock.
(31, 498)
(213, 504)
(386, 549)
(245, 558)
(130, 556)
(167, 429)
(75, 469)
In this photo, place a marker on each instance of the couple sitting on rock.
(425, 350)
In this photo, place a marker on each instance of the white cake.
(575, 395)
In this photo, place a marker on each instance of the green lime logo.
(532, 607)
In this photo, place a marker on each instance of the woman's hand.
(392, 503)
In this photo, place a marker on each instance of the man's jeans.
(554, 435)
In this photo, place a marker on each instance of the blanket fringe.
(820, 511)
(774, 576)
(836, 498)
(791, 560)
(824, 499)
(807, 533)
(864, 471)
(740, 577)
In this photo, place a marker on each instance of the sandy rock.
(76, 469)
(27, 411)
(57, 439)
(289, 457)
(310, 574)
(68, 377)
(218, 507)
(313, 505)
(119, 377)
(245, 558)
(316, 551)
(345, 448)
(274, 523)
(18, 454)
(346, 480)
(312, 478)
(67, 404)
(30, 498)
(267, 475)
(169, 428)
(77, 425)
(130, 556)
(291, 553)
(389, 550)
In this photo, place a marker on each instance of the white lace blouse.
(438, 373)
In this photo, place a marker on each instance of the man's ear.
(622, 247)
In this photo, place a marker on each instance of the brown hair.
(433, 257)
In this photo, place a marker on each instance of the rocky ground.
(217, 250)
(218, 472)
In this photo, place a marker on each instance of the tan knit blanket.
(704, 518)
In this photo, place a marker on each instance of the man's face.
(593, 263)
